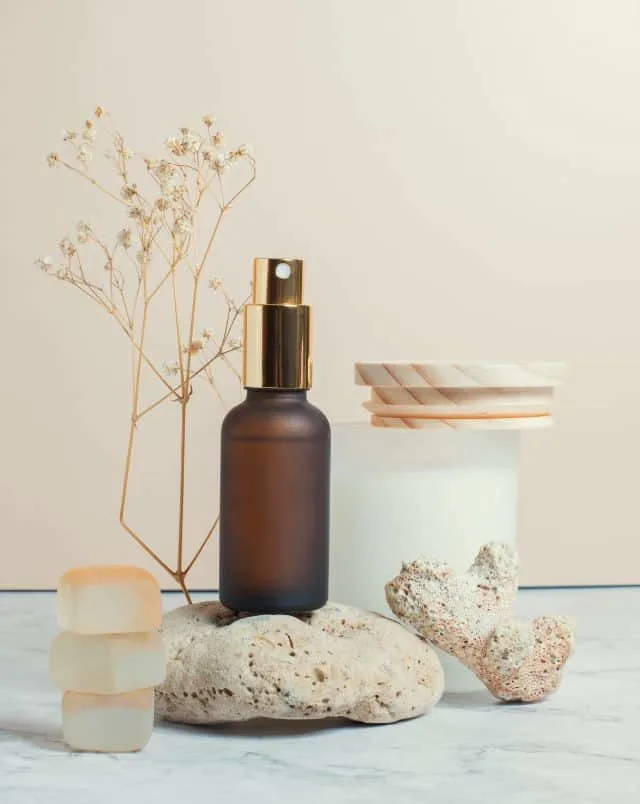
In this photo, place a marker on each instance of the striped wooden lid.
(468, 395)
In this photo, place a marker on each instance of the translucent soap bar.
(109, 600)
(107, 723)
(107, 664)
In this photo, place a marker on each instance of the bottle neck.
(276, 395)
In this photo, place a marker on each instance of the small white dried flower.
(124, 238)
(209, 120)
(45, 264)
(127, 153)
(84, 155)
(142, 256)
(192, 141)
(163, 170)
(193, 348)
(68, 135)
(188, 142)
(62, 272)
(168, 186)
(136, 212)
(182, 226)
(67, 247)
(218, 139)
(53, 160)
(162, 204)
(108, 266)
(129, 191)
(171, 368)
(99, 112)
(207, 153)
(89, 135)
(206, 335)
(220, 162)
(215, 283)
(84, 227)
(238, 153)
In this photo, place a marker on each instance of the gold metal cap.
(277, 327)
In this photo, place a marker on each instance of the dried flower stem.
(91, 180)
(183, 180)
(203, 545)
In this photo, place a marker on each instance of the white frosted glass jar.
(401, 494)
(434, 474)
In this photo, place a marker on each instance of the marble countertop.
(582, 745)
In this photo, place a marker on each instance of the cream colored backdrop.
(463, 178)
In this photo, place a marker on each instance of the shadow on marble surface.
(478, 699)
(263, 727)
(39, 734)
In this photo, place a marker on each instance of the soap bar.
(107, 723)
(109, 600)
(107, 664)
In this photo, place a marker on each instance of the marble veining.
(582, 745)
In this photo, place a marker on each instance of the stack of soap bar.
(109, 657)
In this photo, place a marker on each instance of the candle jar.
(434, 473)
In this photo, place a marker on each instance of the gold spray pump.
(277, 327)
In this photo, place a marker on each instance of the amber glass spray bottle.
(274, 474)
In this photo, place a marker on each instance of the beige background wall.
(462, 177)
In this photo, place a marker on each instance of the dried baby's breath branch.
(196, 373)
(204, 544)
(91, 180)
(138, 349)
(180, 181)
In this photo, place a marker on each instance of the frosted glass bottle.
(434, 473)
